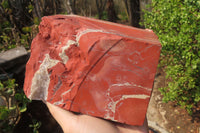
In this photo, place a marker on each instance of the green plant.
(14, 102)
(123, 16)
(12, 35)
(35, 125)
(103, 17)
(177, 24)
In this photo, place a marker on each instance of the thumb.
(66, 119)
(72, 123)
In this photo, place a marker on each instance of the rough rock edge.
(156, 127)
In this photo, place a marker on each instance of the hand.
(72, 123)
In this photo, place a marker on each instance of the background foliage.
(15, 104)
(17, 25)
(177, 24)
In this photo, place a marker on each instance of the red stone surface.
(94, 67)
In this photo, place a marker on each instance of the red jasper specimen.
(94, 67)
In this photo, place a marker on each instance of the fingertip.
(65, 118)
(49, 105)
(52, 108)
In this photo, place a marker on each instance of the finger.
(72, 123)
(90, 124)
(66, 119)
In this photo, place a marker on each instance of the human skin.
(73, 123)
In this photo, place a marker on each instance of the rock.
(12, 62)
(12, 54)
(93, 67)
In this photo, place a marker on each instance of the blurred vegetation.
(13, 103)
(177, 24)
(15, 27)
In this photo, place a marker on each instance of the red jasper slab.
(93, 67)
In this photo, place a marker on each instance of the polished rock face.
(93, 67)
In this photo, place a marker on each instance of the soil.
(168, 116)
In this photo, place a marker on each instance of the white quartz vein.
(111, 108)
(131, 84)
(41, 79)
(78, 36)
(62, 55)
(62, 100)
(81, 33)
